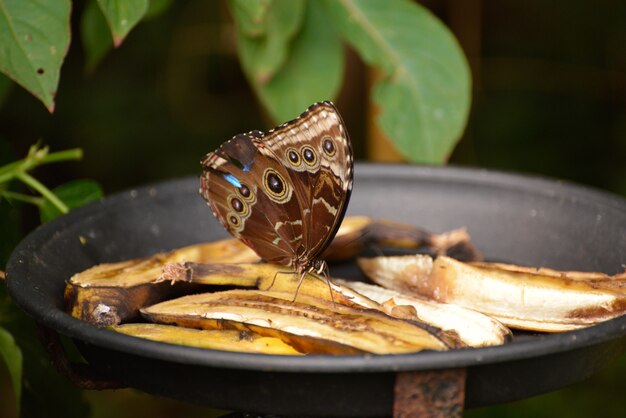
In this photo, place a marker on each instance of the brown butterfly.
(284, 193)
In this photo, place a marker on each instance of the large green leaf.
(424, 95)
(74, 194)
(265, 34)
(95, 34)
(122, 16)
(12, 356)
(250, 16)
(35, 38)
(312, 72)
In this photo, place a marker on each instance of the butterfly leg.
(276, 275)
(320, 268)
(302, 274)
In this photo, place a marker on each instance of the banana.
(543, 300)
(473, 328)
(360, 232)
(272, 277)
(228, 340)
(110, 293)
(310, 325)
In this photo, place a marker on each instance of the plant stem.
(54, 157)
(9, 195)
(43, 190)
(14, 169)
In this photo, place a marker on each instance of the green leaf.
(425, 92)
(266, 30)
(95, 34)
(74, 194)
(35, 39)
(122, 16)
(312, 72)
(12, 356)
(250, 16)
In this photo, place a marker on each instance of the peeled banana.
(522, 298)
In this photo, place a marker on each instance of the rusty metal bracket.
(429, 394)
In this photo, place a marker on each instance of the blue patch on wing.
(232, 180)
(246, 168)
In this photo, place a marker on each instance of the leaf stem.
(12, 170)
(43, 190)
(9, 195)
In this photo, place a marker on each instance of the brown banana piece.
(111, 293)
(310, 324)
(360, 232)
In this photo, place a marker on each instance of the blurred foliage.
(45, 392)
(549, 98)
(423, 95)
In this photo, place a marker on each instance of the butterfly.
(284, 193)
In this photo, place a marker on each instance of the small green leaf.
(12, 356)
(122, 16)
(35, 39)
(265, 34)
(95, 34)
(312, 72)
(425, 93)
(74, 194)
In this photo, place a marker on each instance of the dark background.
(549, 99)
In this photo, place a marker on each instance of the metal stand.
(429, 394)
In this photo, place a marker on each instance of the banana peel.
(111, 293)
(357, 233)
(522, 298)
(311, 325)
(264, 276)
(472, 328)
(226, 340)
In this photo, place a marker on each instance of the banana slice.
(517, 297)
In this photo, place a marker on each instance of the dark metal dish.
(512, 218)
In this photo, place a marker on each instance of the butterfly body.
(284, 192)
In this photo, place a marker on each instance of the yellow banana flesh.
(110, 293)
(272, 277)
(227, 340)
(310, 325)
(473, 328)
(516, 297)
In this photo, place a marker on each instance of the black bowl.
(512, 218)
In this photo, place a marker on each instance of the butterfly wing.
(316, 149)
(283, 193)
(253, 198)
